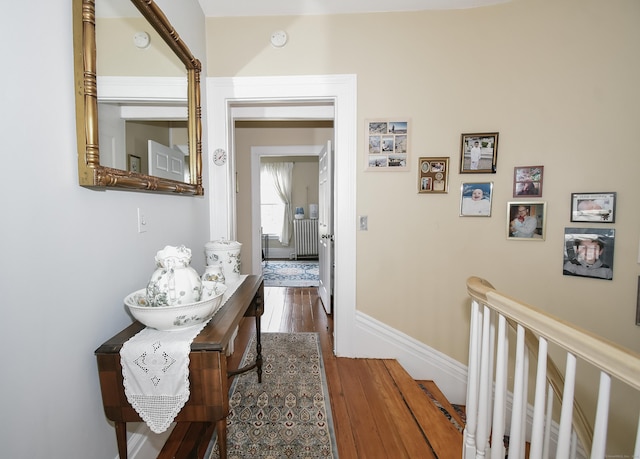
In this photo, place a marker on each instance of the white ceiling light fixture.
(279, 38)
(141, 40)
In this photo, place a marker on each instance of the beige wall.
(557, 79)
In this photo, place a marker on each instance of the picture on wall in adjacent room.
(475, 199)
(527, 181)
(433, 175)
(588, 252)
(593, 207)
(479, 153)
(387, 144)
(526, 220)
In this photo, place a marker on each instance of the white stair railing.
(487, 391)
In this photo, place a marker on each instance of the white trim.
(256, 153)
(143, 89)
(337, 90)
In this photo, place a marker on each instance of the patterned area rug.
(290, 273)
(289, 414)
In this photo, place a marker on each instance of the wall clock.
(219, 157)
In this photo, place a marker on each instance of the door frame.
(265, 93)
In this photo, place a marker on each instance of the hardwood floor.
(372, 416)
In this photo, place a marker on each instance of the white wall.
(69, 254)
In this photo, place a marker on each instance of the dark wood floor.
(378, 410)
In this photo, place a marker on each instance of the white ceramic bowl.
(176, 317)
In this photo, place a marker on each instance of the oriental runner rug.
(288, 415)
(279, 273)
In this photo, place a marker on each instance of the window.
(271, 206)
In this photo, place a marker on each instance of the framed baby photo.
(593, 207)
(479, 153)
(588, 252)
(475, 199)
(387, 144)
(433, 175)
(527, 181)
(526, 220)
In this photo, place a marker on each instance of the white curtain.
(282, 174)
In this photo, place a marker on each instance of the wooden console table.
(208, 404)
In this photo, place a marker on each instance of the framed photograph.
(479, 153)
(134, 163)
(593, 207)
(588, 252)
(527, 181)
(526, 220)
(638, 304)
(387, 143)
(433, 175)
(475, 199)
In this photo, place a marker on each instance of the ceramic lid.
(223, 244)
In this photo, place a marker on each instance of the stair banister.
(541, 328)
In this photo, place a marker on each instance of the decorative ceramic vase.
(174, 282)
(213, 273)
(227, 253)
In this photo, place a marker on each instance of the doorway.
(296, 97)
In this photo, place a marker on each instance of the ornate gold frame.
(90, 173)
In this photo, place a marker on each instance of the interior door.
(325, 227)
(166, 162)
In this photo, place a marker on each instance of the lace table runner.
(155, 370)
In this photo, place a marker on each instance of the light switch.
(364, 223)
(142, 222)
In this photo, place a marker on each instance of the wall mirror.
(138, 122)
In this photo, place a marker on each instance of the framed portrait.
(475, 199)
(433, 175)
(593, 207)
(479, 153)
(134, 163)
(526, 220)
(387, 143)
(527, 181)
(588, 252)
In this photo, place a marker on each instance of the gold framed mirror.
(93, 174)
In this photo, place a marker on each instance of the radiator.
(305, 232)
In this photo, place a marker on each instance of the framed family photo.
(433, 175)
(479, 153)
(588, 252)
(475, 199)
(593, 207)
(134, 163)
(526, 220)
(527, 181)
(387, 143)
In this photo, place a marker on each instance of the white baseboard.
(377, 340)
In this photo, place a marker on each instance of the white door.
(166, 162)
(325, 226)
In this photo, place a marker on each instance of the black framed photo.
(479, 153)
(588, 252)
(527, 181)
(526, 220)
(475, 199)
(593, 207)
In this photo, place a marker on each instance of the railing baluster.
(499, 404)
(599, 445)
(547, 426)
(518, 395)
(566, 413)
(537, 431)
(469, 446)
(486, 384)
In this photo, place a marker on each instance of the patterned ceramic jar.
(227, 253)
(174, 282)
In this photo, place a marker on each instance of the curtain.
(282, 174)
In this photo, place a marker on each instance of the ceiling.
(222, 8)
